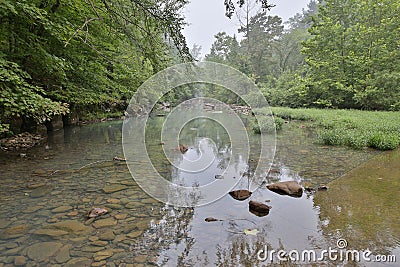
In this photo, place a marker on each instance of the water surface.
(47, 194)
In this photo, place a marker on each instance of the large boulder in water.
(291, 188)
(259, 209)
(240, 194)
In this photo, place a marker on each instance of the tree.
(224, 50)
(231, 7)
(88, 56)
(353, 55)
(261, 33)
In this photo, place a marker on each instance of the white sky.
(207, 17)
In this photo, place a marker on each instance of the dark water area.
(47, 194)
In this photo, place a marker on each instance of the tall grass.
(354, 128)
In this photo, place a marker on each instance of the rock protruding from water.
(96, 212)
(183, 148)
(259, 209)
(240, 194)
(290, 188)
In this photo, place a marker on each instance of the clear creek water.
(46, 196)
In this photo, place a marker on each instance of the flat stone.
(141, 258)
(99, 243)
(99, 263)
(89, 221)
(120, 238)
(62, 255)
(107, 235)
(113, 201)
(93, 238)
(20, 261)
(78, 262)
(11, 245)
(50, 232)
(73, 213)
(14, 231)
(104, 223)
(149, 201)
(114, 206)
(13, 251)
(42, 250)
(32, 209)
(113, 188)
(4, 223)
(71, 226)
(61, 209)
(102, 255)
(134, 234)
(91, 249)
(120, 216)
(41, 191)
(98, 200)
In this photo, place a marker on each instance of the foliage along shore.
(353, 128)
(75, 59)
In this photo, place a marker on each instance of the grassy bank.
(354, 128)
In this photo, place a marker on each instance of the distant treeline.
(336, 54)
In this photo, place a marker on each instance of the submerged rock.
(78, 262)
(50, 232)
(71, 226)
(259, 209)
(107, 235)
(291, 188)
(14, 231)
(42, 250)
(63, 254)
(61, 209)
(19, 261)
(113, 188)
(240, 194)
(41, 191)
(104, 222)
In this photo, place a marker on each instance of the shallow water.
(47, 194)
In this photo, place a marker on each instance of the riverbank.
(353, 128)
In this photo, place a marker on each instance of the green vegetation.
(336, 54)
(267, 124)
(354, 128)
(83, 57)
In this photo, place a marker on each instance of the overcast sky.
(207, 17)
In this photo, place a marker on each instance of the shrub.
(267, 124)
(382, 141)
